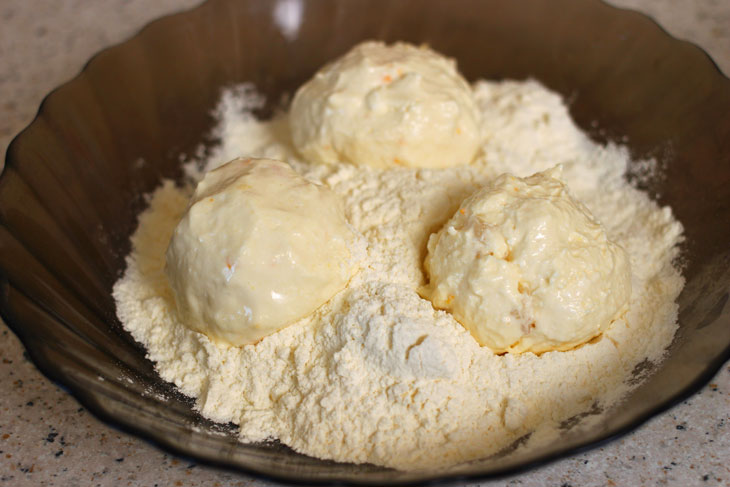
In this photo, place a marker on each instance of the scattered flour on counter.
(376, 374)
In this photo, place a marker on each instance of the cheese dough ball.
(258, 248)
(525, 267)
(385, 106)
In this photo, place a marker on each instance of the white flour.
(377, 375)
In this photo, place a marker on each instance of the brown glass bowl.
(74, 180)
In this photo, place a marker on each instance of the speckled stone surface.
(47, 438)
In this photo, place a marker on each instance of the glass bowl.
(74, 182)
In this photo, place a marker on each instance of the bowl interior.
(75, 178)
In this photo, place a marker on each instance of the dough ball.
(385, 106)
(258, 248)
(525, 267)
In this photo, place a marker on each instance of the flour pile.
(377, 375)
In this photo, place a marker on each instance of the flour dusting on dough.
(377, 375)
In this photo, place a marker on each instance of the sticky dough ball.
(385, 106)
(525, 267)
(258, 248)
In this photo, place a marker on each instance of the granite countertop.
(47, 438)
